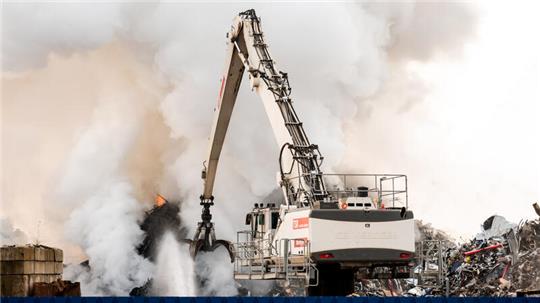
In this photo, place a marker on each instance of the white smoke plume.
(105, 216)
(214, 269)
(174, 272)
(9, 235)
(105, 105)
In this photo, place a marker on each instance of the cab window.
(275, 217)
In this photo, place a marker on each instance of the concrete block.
(58, 255)
(37, 278)
(50, 267)
(43, 253)
(12, 253)
(45, 267)
(39, 268)
(14, 285)
(58, 268)
(28, 253)
(42, 279)
(16, 267)
(6, 253)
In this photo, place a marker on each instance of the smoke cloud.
(214, 271)
(9, 235)
(106, 105)
(174, 274)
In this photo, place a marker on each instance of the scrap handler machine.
(330, 228)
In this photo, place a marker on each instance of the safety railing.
(257, 257)
(387, 190)
(250, 248)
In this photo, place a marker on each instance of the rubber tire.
(333, 281)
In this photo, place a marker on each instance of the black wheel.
(333, 281)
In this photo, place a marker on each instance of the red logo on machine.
(300, 223)
(300, 242)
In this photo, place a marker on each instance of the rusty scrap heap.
(502, 260)
(503, 263)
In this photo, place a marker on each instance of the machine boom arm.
(301, 178)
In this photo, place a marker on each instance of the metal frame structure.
(253, 263)
(305, 155)
(395, 193)
(430, 254)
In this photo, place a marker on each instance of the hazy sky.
(485, 108)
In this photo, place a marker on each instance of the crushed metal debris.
(502, 260)
(58, 288)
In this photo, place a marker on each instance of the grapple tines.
(205, 238)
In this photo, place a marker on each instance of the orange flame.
(159, 200)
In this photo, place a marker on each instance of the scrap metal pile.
(381, 287)
(502, 260)
(58, 288)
